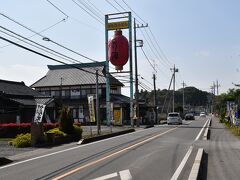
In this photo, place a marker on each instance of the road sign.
(117, 25)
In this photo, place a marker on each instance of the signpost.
(112, 24)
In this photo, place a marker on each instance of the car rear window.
(173, 115)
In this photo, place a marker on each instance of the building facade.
(18, 103)
(72, 84)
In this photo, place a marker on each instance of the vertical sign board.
(91, 108)
(117, 116)
(39, 113)
(111, 111)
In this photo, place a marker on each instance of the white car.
(174, 118)
(202, 114)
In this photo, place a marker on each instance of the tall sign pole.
(107, 75)
(111, 23)
(130, 66)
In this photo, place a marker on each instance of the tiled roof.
(16, 88)
(26, 102)
(71, 75)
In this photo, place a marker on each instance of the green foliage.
(193, 97)
(222, 115)
(22, 140)
(57, 132)
(66, 121)
(77, 131)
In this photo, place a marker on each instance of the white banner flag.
(39, 113)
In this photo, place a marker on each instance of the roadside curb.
(195, 171)
(101, 137)
(206, 135)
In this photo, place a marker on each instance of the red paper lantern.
(118, 50)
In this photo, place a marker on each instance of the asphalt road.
(155, 153)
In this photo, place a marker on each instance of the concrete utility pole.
(174, 71)
(183, 95)
(97, 106)
(155, 98)
(217, 85)
(135, 26)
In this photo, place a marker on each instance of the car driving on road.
(174, 118)
(202, 114)
(189, 116)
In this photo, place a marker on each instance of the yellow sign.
(117, 116)
(117, 25)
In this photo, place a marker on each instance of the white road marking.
(125, 175)
(182, 164)
(65, 150)
(187, 155)
(198, 136)
(106, 176)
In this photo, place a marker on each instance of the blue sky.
(200, 37)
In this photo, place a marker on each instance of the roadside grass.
(233, 129)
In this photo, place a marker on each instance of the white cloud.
(26, 73)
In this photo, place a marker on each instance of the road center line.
(113, 154)
(187, 155)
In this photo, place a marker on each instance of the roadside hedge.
(11, 130)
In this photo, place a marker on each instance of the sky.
(200, 37)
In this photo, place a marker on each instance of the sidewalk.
(16, 154)
(223, 150)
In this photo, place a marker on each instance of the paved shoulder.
(223, 153)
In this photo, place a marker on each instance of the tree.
(66, 121)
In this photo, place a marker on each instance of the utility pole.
(217, 85)
(136, 66)
(183, 95)
(155, 98)
(97, 106)
(174, 71)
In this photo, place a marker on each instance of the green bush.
(77, 131)
(66, 121)
(57, 132)
(22, 140)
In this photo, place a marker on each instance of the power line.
(58, 8)
(167, 66)
(47, 39)
(157, 52)
(113, 6)
(146, 80)
(36, 44)
(48, 57)
(96, 7)
(93, 11)
(96, 18)
(148, 59)
(134, 11)
(155, 39)
(63, 20)
(120, 5)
